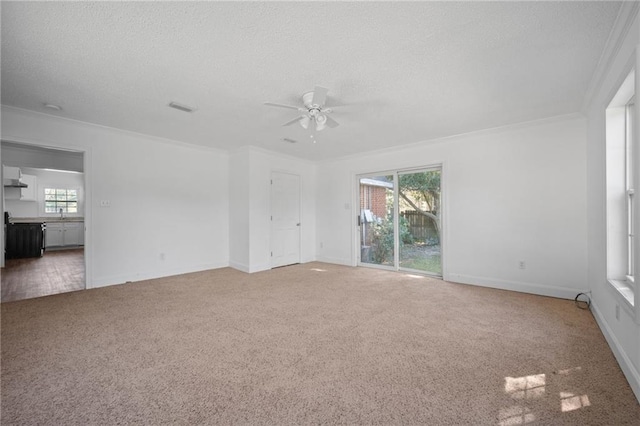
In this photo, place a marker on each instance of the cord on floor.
(583, 301)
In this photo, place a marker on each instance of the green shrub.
(382, 239)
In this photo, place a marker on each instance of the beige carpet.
(307, 344)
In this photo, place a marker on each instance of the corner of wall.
(240, 267)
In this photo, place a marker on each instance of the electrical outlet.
(321, 245)
(522, 264)
(105, 203)
(162, 256)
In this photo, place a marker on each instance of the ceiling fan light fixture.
(313, 112)
(321, 122)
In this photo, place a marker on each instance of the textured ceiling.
(397, 72)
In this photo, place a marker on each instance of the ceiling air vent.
(181, 107)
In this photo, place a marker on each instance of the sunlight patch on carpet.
(570, 402)
(526, 387)
(567, 371)
(414, 276)
(522, 389)
(516, 415)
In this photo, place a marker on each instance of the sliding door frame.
(395, 222)
(357, 261)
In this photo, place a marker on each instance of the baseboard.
(250, 269)
(626, 365)
(334, 260)
(150, 275)
(539, 289)
(260, 267)
(239, 266)
(307, 259)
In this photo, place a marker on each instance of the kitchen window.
(57, 200)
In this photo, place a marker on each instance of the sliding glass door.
(399, 223)
(420, 209)
(377, 236)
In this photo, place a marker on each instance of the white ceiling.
(397, 72)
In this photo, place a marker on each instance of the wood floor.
(55, 272)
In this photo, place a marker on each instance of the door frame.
(358, 232)
(271, 236)
(357, 261)
(88, 192)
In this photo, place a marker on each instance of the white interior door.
(285, 219)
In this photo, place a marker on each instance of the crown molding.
(626, 16)
(462, 136)
(93, 126)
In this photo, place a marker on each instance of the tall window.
(629, 169)
(58, 200)
(621, 174)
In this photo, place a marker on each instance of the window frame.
(621, 176)
(61, 203)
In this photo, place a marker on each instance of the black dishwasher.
(24, 240)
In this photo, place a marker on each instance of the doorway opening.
(400, 220)
(43, 201)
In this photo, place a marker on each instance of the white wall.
(509, 194)
(36, 157)
(250, 191)
(239, 207)
(623, 333)
(45, 179)
(169, 210)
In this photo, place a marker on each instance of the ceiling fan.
(314, 111)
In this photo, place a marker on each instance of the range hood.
(14, 183)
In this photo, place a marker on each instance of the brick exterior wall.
(374, 198)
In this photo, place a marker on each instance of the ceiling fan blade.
(319, 96)
(295, 120)
(331, 122)
(284, 106)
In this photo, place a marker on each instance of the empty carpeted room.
(320, 213)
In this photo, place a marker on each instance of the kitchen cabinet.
(53, 235)
(64, 234)
(29, 193)
(18, 186)
(11, 174)
(73, 233)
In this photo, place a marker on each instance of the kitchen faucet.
(61, 215)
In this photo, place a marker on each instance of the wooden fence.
(421, 227)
